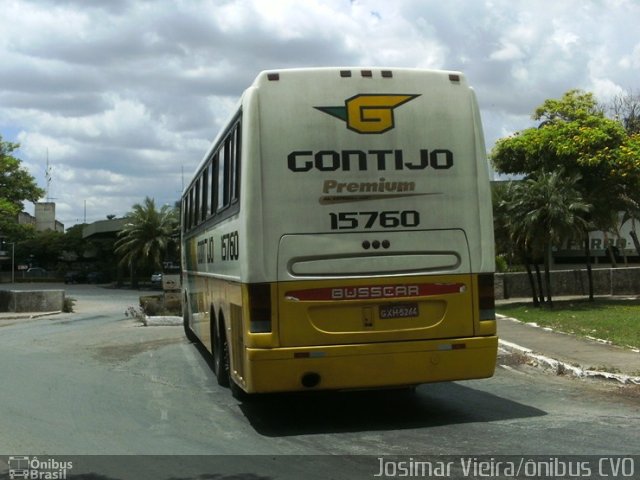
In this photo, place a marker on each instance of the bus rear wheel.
(220, 358)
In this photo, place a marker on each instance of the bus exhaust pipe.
(310, 380)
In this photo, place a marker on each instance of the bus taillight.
(486, 296)
(259, 307)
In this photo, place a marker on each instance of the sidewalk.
(568, 353)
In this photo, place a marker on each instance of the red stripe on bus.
(366, 292)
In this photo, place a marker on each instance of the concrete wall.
(45, 213)
(606, 281)
(31, 300)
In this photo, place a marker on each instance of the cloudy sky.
(124, 95)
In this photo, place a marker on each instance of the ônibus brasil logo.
(32, 468)
(372, 113)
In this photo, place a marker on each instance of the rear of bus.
(368, 223)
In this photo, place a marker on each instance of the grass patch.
(615, 320)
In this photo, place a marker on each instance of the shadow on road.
(432, 405)
(331, 412)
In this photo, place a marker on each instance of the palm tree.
(507, 241)
(631, 201)
(545, 210)
(147, 236)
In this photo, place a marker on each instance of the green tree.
(16, 183)
(574, 136)
(629, 154)
(16, 186)
(147, 237)
(41, 249)
(74, 244)
(606, 152)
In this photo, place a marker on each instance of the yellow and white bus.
(338, 234)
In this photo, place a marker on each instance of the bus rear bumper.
(373, 365)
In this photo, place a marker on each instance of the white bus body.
(352, 241)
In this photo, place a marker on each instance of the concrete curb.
(561, 367)
(162, 321)
(28, 316)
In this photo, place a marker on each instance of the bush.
(152, 306)
(501, 264)
(155, 305)
(135, 313)
(67, 305)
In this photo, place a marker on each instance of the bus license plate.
(403, 310)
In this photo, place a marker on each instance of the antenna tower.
(47, 176)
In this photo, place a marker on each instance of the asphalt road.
(96, 382)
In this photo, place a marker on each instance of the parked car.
(96, 277)
(36, 272)
(156, 279)
(75, 277)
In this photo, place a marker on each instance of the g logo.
(369, 113)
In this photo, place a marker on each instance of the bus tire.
(220, 355)
(187, 329)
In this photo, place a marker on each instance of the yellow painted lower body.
(371, 365)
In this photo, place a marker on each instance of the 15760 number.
(368, 220)
(230, 246)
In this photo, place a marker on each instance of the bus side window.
(192, 195)
(214, 184)
(205, 194)
(228, 150)
(223, 177)
(237, 134)
(196, 218)
(230, 147)
(187, 212)
(185, 217)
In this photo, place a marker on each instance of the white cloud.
(507, 53)
(605, 89)
(565, 40)
(37, 145)
(116, 89)
(631, 61)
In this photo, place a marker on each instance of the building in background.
(44, 218)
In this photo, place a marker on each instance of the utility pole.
(47, 176)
